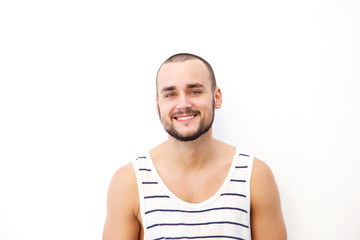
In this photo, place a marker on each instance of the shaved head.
(182, 57)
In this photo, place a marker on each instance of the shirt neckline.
(188, 204)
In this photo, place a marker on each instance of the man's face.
(185, 101)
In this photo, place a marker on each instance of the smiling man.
(192, 186)
(192, 78)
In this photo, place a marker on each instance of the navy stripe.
(143, 157)
(241, 167)
(149, 182)
(196, 224)
(144, 169)
(237, 180)
(156, 196)
(233, 194)
(198, 211)
(243, 155)
(201, 237)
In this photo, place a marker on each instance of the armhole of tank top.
(251, 161)
(136, 167)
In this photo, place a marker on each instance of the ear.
(157, 105)
(217, 98)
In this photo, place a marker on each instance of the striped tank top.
(225, 215)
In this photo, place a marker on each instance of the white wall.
(77, 102)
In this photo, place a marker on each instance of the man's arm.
(122, 207)
(266, 217)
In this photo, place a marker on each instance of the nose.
(183, 102)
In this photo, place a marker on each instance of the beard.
(204, 126)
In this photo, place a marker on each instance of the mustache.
(186, 112)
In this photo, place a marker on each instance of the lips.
(184, 116)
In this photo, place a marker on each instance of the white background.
(77, 101)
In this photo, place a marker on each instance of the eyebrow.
(166, 89)
(195, 85)
(188, 86)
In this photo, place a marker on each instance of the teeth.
(185, 118)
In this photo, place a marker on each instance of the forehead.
(179, 74)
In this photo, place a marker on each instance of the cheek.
(205, 103)
(163, 108)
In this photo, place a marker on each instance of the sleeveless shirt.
(225, 215)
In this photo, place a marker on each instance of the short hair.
(182, 57)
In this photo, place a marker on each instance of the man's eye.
(169, 95)
(195, 92)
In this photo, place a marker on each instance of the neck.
(191, 154)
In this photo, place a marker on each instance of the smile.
(183, 118)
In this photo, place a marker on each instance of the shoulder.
(123, 182)
(260, 170)
(266, 215)
(123, 191)
(125, 172)
(262, 182)
(122, 219)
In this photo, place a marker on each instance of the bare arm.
(266, 217)
(122, 222)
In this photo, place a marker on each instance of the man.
(192, 186)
